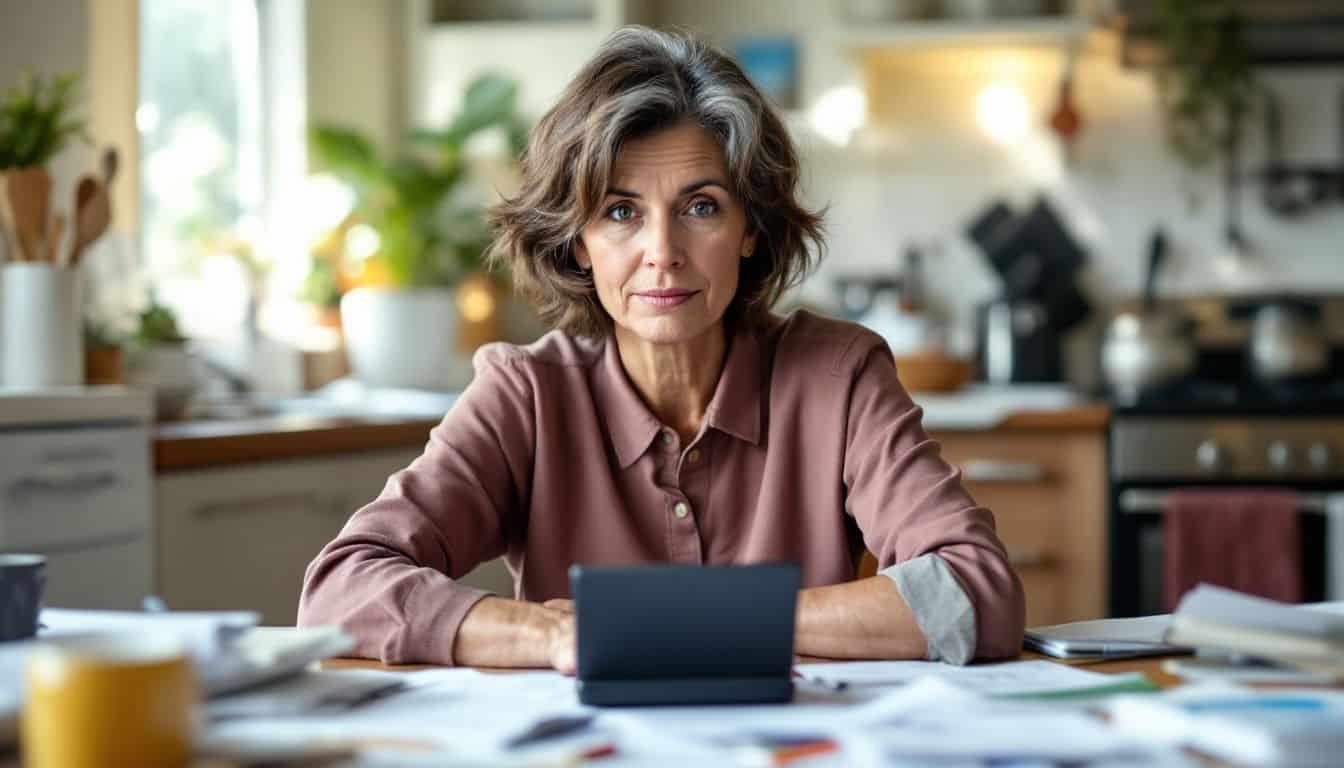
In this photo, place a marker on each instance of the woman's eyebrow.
(686, 190)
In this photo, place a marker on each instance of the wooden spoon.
(11, 234)
(29, 198)
(54, 236)
(91, 222)
(84, 191)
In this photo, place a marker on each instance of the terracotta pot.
(102, 366)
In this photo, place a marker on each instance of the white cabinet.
(80, 496)
(240, 537)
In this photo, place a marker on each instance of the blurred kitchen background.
(1101, 236)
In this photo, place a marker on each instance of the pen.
(549, 728)
(598, 752)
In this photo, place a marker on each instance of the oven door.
(1138, 552)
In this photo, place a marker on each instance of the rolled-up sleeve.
(941, 608)
(389, 578)
(910, 503)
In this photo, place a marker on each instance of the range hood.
(1278, 32)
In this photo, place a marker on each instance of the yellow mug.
(114, 700)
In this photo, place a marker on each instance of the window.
(221, 122)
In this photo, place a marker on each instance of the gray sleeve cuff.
(941, 608)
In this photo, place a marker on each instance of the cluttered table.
(330, 710)
(1150, 667)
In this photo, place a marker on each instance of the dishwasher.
(76, 486)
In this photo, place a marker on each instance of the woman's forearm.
(497, 632)
(865, 619)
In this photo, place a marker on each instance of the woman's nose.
(661, 245)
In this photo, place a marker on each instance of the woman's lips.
(663, 298)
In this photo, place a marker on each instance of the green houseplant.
(431, 236)
(428, 235)
(36, 120)
(36, 123)
(1207, 90)
(158, 359)
(1206, 82)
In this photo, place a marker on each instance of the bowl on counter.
(932, 370)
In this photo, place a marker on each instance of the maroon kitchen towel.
(1245, 539)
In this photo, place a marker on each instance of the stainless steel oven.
(1152, 455)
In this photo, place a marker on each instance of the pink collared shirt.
(809, 451)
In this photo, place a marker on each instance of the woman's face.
(669, 237)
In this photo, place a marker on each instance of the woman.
(671, 417)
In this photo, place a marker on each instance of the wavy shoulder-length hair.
(642, 80)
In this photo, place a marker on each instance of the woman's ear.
(749, 244)
(581, 254)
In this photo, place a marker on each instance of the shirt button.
(693, 456)
(681, 510)
(668, 438)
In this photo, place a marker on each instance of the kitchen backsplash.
(923, 169)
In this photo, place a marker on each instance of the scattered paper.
(203, 633)
(1013, 677)
(1235, 609)
(459, 711)
(309, 693)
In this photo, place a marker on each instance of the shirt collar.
(737, 402)
(630, 423)
(734, 409)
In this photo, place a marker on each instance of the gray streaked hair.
(642, 80)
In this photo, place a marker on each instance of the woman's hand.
(561, 635)
(498, 632)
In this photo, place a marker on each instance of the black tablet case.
(663, 634)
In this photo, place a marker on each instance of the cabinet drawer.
(240, 537)
(1047, 493)
(61, 488)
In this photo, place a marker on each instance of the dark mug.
(22, 579)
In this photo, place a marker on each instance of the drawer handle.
(996, 471)
(1019, 559)
(25, 488)
(98, 542)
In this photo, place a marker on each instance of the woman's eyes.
(703, 207)
(622, 212)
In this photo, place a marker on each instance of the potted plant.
(1205, 79)
(422, 236)
(36, 123)
(102, 354)
(1206, 89)
(160, 361)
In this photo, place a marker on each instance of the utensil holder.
(41, 339)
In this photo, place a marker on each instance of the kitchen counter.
(204, 443)
(982, 407)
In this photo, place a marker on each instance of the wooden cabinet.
(1047, 489)
(240, 536)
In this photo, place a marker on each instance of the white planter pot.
(169, 371)
(404, 338)
(43, 341)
